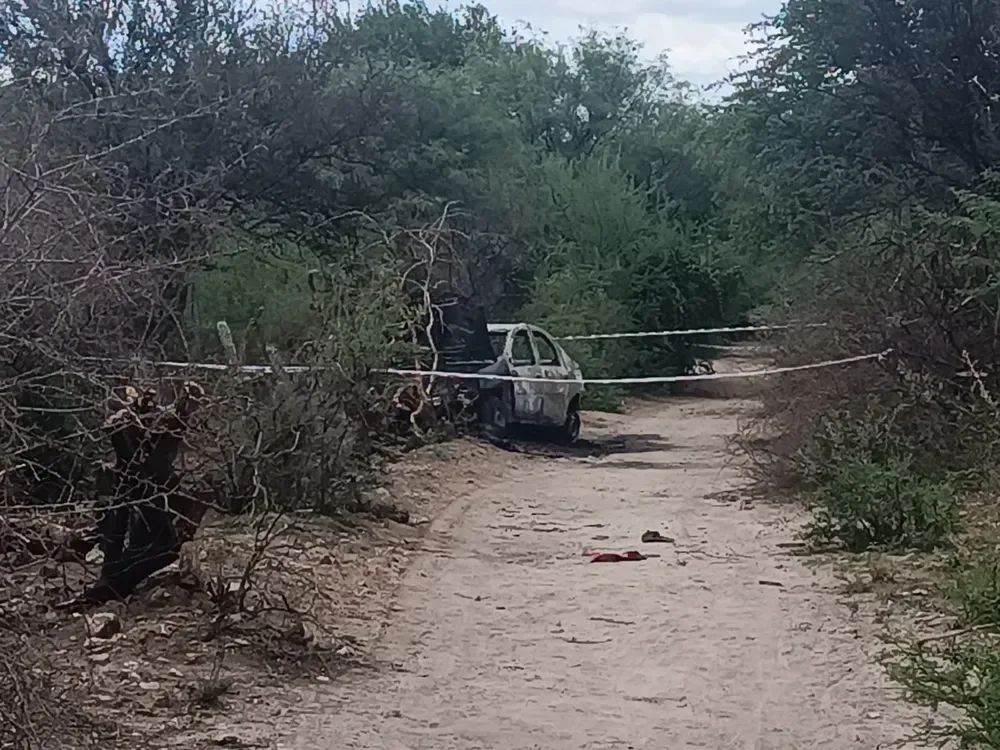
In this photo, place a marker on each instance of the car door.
(555, 390)
(529, 402)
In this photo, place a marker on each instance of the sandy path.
(504, 636)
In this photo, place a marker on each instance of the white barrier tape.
(639, 381)
(687, 332)
(266, 369)
(732, 348)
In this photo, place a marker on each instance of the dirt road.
(504, 636)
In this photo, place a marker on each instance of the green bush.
(261, 288)
(975, 590)
(573, 301)
(962, 675)
(866, 504)
(961, 671)
(606, 263)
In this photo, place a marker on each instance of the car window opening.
(547, 354)
(521, 352)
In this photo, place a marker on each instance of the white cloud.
(697, 50)
(703, 38)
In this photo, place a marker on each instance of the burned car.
(463, 342)
(525, 350)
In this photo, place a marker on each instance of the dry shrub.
(272, 446)
(93, 271)
(922, 419)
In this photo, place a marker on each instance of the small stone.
(873, 715)
(322, 678)
(149, 685)
(325, 560)
(100, 658)
(104, 625)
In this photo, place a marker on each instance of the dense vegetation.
(872, 130)
(314, 179)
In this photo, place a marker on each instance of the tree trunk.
(148, 518)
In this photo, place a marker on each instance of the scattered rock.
(326, 560)
(100, 658)
(104, 625)
(149, 686)
(650, 537)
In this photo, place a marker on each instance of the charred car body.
(552, 398)
(464, 342)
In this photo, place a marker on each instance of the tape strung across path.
(639, 381)
(294, 369)
(267, 369)
(686, 332)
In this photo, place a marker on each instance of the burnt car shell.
(551, 398)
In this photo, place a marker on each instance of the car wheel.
(571, 427)
(496, 415)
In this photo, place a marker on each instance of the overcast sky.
(702, 37)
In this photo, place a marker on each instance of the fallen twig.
(586, 643)
(612, 621)
(958, 633)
